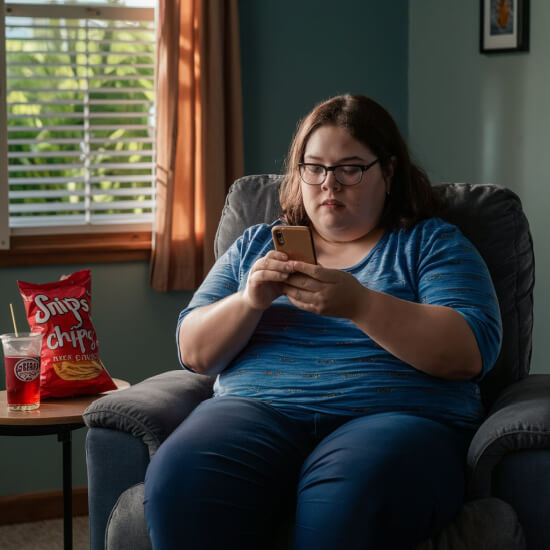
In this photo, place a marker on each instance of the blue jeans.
(229, 475)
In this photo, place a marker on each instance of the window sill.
(86, 248)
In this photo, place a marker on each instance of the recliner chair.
(508, 493)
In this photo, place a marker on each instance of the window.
(78, 123)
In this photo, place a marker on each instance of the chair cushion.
(126, 528)
(489, 215)
(250, 200)
(488, 523)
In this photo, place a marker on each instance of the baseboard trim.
(40, 506)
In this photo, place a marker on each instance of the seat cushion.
(126, 529)
(488, 524)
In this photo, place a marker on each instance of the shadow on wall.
(502, 121)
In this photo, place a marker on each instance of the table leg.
(65, 438)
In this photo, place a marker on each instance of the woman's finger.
(315, 271)
(272, 262)
(304, 282)
(303, 305)
(299, 294)
(275, 254)
(264, 275)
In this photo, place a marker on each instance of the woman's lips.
(332, 204)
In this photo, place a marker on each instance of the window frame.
(61, 244)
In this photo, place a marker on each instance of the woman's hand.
(324, 291)
(266, 278)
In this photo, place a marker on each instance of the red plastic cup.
(22, 361)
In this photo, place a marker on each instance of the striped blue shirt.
(325, 364)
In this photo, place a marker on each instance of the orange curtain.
(199, 135)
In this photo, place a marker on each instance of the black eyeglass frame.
(327, 169)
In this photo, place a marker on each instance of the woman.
(348, 387)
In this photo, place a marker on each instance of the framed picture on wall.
(504, 26)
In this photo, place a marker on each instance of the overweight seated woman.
(348, 387)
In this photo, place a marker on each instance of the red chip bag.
(70, 363)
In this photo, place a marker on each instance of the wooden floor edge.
(40, 506)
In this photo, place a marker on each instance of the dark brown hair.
(411, 197)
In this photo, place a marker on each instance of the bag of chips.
(61, 311)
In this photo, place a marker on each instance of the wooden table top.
(53, 411)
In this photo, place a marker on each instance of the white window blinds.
(80, 114)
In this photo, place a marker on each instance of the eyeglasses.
(345, 174)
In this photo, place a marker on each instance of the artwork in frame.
(504, 26)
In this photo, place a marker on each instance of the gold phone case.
(295, 241)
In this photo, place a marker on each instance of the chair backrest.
(491, 217)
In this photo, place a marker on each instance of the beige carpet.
(44, 535)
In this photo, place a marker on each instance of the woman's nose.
(331, 182)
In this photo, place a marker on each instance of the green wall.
(485, 118)
(294, 54)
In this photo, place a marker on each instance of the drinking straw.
(13, 319)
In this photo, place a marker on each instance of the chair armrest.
(152, 409)
(519, 420)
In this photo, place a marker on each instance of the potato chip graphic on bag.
(70, 363)
(85, 370)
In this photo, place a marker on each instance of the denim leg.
(223, 477)
(380, 482)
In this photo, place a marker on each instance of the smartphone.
(295, 241)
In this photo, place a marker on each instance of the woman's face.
(343, 213)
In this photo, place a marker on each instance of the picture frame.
(504, 26)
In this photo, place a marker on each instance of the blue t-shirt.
(325, 364)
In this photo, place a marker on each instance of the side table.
(55, 416)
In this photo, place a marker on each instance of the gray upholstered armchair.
(509, 457)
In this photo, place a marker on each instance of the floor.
(44, 535)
